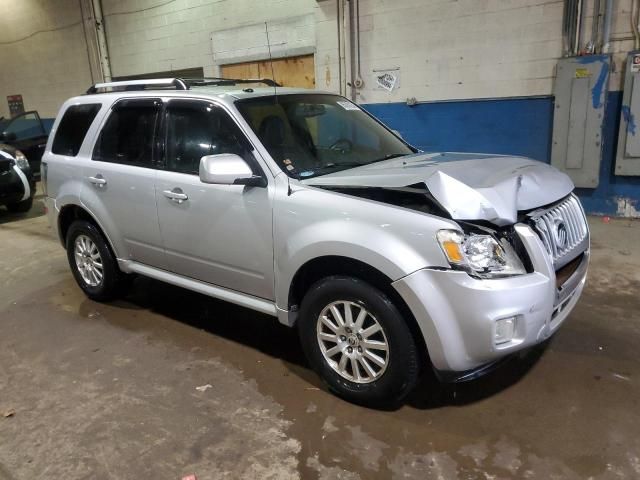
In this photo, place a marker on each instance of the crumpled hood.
(468, 186)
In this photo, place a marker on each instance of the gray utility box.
(628, 156)
(580, 91)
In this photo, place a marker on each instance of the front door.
(30, 137)
(120, 180)
(219, 234)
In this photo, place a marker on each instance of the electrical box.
(628, 156)
(580, 91)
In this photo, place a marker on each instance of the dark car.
(17, 184)
(27, 133)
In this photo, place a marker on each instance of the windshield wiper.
(331, 166)
(390, 156)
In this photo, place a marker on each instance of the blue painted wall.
(518, 126)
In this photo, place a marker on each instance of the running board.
(242, 299)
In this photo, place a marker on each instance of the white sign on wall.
(387, 79)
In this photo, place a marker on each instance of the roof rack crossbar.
(140, 84)
(219, 81)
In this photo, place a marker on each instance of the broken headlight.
(480, 255)
(21, 160)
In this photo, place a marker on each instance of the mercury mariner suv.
(301, 205)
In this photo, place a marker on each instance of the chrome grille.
(563, 230)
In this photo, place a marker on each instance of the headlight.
(480, 255)
(21, 160)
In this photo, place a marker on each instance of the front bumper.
(457, 313)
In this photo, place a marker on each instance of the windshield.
(314, 134)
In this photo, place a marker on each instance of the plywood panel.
(288, 72)
(241, 70)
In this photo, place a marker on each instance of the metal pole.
(102, 41)
(606, 28)
(583, 16)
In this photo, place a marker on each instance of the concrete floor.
(110, 391)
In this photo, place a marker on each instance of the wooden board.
(288, 72)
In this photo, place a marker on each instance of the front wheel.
(356, 339)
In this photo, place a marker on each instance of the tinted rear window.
(128, 135)
(73, 127)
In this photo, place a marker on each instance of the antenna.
(273, 75)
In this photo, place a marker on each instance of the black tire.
(21, 207)
(113, 281)
(402, 367)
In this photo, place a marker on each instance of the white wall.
(470, 48)
(444, 49)
(178, 35)
(43, 54)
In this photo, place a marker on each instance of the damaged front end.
(482, 250)
(413, 197)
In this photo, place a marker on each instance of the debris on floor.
(204, 388)
(9, 413)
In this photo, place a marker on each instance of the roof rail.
(223, 82)
(141, 84)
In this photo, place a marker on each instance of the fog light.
(505, 330)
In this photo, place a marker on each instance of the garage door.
(288, 72)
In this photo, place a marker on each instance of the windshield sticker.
(286, 161)
(306, 174)
(347, 105)
(290, 167)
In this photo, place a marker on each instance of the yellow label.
(582, 73)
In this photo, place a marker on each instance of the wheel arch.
(72, 212)
(321, 267)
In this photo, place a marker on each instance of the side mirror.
(8, 137)
(228, 169)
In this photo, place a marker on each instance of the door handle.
(98, 181)
(176, 195)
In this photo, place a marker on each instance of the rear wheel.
(93, 265)
(21, 207)
(357, 341)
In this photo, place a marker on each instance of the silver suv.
(301, 205)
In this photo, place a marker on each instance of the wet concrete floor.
(110, 391)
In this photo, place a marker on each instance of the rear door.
(219, 234)
(120, 180)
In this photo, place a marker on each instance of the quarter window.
(73, 127)
(128, 135)
(195, 129)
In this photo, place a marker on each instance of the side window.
(25, 126)
(73, 127)
(128, 135)
(195, 129)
